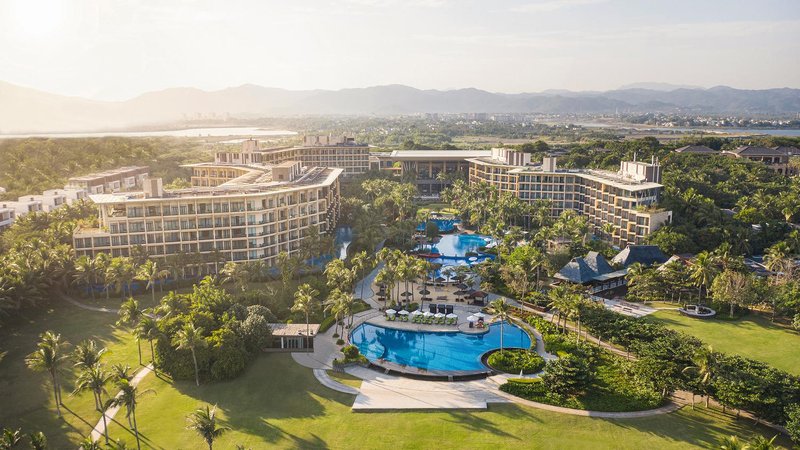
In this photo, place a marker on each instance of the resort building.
(23, 206)
(431, 170)
(292, 337)
(7, 217)
(122, 179)
(775, 158)
(647, 255)
(627, 199)
(232, 212)
(317, 151)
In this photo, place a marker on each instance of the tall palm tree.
(147, 328)
(704, 366)
(121, 273)
(151, 273)
(129, 315)
(89, 444)
(94, 379)
(86, 354)
(49, 356)
(102, 261)
(121, 372)
(305, 301)
(361, 261)
(335, 306)
(86, 273)
(190, 338)
(238, 274)
(129, 398)
(171, 305)
(501, 309)
(703, 271)
(204, 422)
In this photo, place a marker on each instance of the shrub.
(256, 333)
(516, 360)
(793, 422)
(340, 341)
(567, 376)
(350, 352)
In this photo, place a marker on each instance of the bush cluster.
(516, 360)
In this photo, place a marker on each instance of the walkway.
(87, 307)
(100, 429)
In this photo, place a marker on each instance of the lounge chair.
(448, 309)
(432, 308)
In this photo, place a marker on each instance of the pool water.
(458, 244)
(444, 225)
(435, 351)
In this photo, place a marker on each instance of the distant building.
(7, 217)
(626, 199)
(425, 166)
(593, 271)
(292, 337)
(109, 181)
(23, 206)
(697, 150)
(776, 160)
(647, 255)
(317, 151)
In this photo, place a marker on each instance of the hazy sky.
(116, 49)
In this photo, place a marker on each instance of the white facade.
(7, 217)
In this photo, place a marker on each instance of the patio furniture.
(442, 309)
(448, 309)
(432, 308)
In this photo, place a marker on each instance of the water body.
(435, 351)
(344, 237)
(189, 132)
(754, 131)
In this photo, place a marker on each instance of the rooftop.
(701, 149)
(109, 173)
(642, 254)
(753, 150)
(437, 154)
(293, 329)
(585, 269)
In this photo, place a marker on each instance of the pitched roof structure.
(791, 151)
(585, 269)
(754, 150)
(698, 149)
(642, 254)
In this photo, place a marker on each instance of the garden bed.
(514, 361)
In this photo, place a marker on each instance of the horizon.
(116, 51)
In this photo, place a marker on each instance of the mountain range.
(25, 110)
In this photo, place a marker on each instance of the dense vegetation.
(28, 166)
(516, 361)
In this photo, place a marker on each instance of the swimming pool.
(434, 351)
(453, 248)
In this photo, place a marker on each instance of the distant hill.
(653, 86)
(26, 110)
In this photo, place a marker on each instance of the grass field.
(753, 336)
(278, 404)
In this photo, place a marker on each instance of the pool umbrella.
(459, 277)
(424, 292)
(479, 315)
(438, 315)
(427, 314)
(461, 292)
(403, 313)
(452, 316)
(391, 312)
(440, 279)
(477, 294)
(462, 286)
(416, 313)
(472, 319)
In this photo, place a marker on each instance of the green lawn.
(27, 397)
(753, 336)
(345, 378)
(278, 404)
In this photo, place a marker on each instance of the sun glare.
(35, 18)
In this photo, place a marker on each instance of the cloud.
(553, 5)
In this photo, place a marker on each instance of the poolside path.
(99, 430)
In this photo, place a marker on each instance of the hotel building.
(626, 199)
(422, 167)
(122, 179)
(233, 211)
(7, 217)
(775, 158)
(317, 151)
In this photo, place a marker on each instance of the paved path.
(323, 377)
(87, 307)
(100, 428)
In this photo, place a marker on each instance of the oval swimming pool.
(434, 350)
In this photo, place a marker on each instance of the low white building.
(71, 195)
(23, 206)
(7, 217)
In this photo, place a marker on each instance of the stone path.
(100, 429)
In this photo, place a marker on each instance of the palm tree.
(129, 398)
(204, 422)
(361, 261)
(733, 443)
(305, 302)
(94, 379)
(703, 271)
(287, 266)
(335, 306)
(10, 438)
(89, 444)
(238, 274)
(705, 366)
(121, 372)
(102, 261)
(501, 309)
(48, 357)
(150, 272)
(38, 441)
(121, 272)
(130, 315)
(86, 272)
(147, 328)
(171, 305)
(86, 354)
(190, 338)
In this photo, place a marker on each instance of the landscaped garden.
(752, 336)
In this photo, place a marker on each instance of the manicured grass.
(27, 396)
(345, 378)
(752, 336)
(278, 404)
